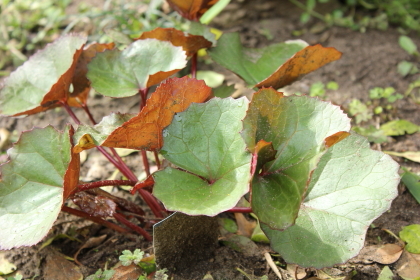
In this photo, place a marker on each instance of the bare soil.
(370, 60)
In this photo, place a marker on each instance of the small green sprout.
(101, 275)
(129, 257)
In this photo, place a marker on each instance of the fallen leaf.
(81, 84)
(383, 254)
(409, 265)
(296, 270)
(191, 9)
(303, 62)
(245, 227)
(131, 271)
(145, 130)
(411, 235)
(97, 206)
(189, 43)
(57, 267)
(90, 243)
(6, 267)
(413, 156)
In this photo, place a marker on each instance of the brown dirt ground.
(369, 60)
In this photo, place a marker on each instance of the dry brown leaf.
(245, 227)
(409, 265)
(91, 242)
(129, 272)
(189, 43)
(303, 62)
(296, 270)
(335, 138)
(144, 131)
(191, 9)
(58, 268)
(383, 254)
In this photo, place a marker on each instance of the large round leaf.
(144, 63)
(297, 127)
(205, 142)
(31, 189)
(351, 186)
(44, 79)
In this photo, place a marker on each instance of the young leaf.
(88, 137)
(399, 127)
(412, 182)
(351, 186)
(31, 190)
(205, 141)
(191, 9)
(297, 128)
(41, 82)
(144, 63)
(189, 43)
(145, 130)
(303, 62)
(411, 235)
(252, 65)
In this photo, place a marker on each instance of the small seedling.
(129, 257)
(101, 275)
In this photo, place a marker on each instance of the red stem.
(93, 185)
(157, 159)
(94, 219)
(137, 229)
(240, 210)
(86, 108)
(194, 66)
(145, 163)
(143, 95)
(148, 198)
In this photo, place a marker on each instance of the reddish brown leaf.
(81, 85)
(71, 177)
(127, 272)
(144, 131)
(335, 138)
(189, 43)
(303, 62)
(149, 182)
(59, 90)
(97, 206)
(191, 9)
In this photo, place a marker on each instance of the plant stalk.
(132, 226)
(240, 210)
(194, 65)
(94, 219)
(93, 185)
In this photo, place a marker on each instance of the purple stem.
(93, 185)
(240, 210)
(137, 229)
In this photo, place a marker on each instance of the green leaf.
(211, 78)
(252, 65)
(411, 235)
(332, 85)
(224, 91)
(297, 127)
(372, 133)
(407, 44)
(204, 140)
(412, 182)
(399, 127)
(142, 64)
(99, 132)
(405, 67)
(386, 274)
(31, 190)
(351, 186)
(26, 87)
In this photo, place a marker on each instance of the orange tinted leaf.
(149, 182)
(303, 62)
(189, 43)
(71, 177)
(86, 142)
(191, 9)
(144, 131)
(81, 85)
(335, 138)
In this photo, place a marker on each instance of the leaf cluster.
(314, 186)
